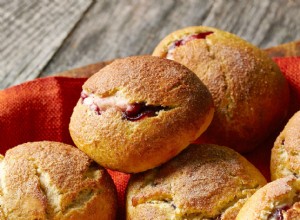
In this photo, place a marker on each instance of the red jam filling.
(181, 42)
(83, 95)
(132, 112)
(278, 213)
(139, 111)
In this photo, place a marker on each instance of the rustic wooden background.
(42, 37)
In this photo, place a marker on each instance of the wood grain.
(113, 29)
(30, 34)
(42, 37)
(283, 50)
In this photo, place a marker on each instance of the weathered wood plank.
(114, 28)
(31, 32)
(282, 50)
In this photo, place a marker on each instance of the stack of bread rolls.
(143, 115)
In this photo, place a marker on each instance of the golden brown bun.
(50, 180)
(135, 146)
(285, 156)
(278, 198)
(250, 94)
(203, 182)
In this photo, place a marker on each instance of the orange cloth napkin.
(41, 109)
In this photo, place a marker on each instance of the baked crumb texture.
(278, 200)
(285, 157)
(203, 182)
(50, 180)
(250, 94)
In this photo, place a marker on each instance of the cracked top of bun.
(51, 180)
(148, 79)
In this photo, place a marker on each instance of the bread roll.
(50, 180)
(139, 112)
(285, 156)
(278, 200)
(250, 94)
(203, 182)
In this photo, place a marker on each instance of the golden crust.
(203, 182)
(50, 180)
(145, 143)
(281, 193)
(285, 157)
(250, 94)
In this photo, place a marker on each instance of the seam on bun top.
(142, 109)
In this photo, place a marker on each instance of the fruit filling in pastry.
(184, 40)
(130, 111)
(286, 211)
(278, 213)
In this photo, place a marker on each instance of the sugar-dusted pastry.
(250, 94)
(51, 180)
(285, 156)
(139, 112)
(203, 182)
(278, 200)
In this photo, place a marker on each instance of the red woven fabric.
(41, 109)
(290, 66)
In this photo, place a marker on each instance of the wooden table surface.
(42, 37)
